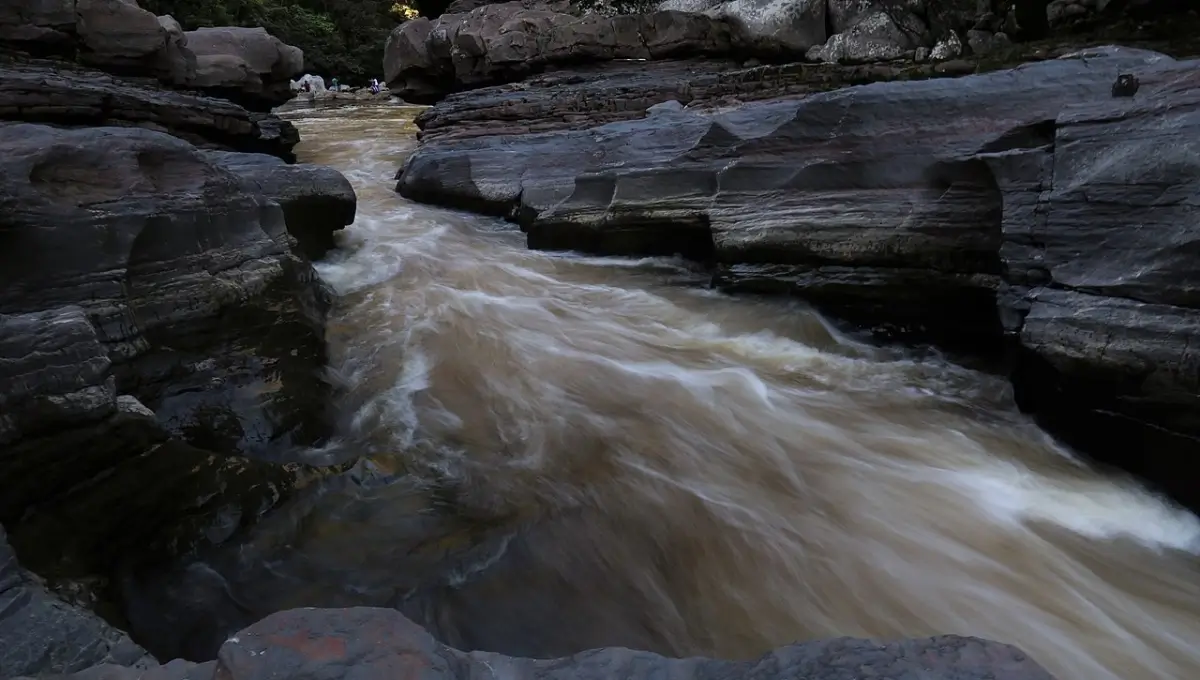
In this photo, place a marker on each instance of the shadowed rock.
(370, 643)
(44, 635)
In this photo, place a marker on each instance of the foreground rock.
(959, 210)
(42, 634)
(157, 332)
(370, 643)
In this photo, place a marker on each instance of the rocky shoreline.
(1036, 216)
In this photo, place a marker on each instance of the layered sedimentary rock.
(110, 62)
(1030, 204)
(381, 643)
(159, 338)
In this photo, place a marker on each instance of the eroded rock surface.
(961, 210)
(368, 643)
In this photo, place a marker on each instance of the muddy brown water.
(567, 452)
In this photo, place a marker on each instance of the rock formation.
(380, 643)
(110, 62)
(161, 326)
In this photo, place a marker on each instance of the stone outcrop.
(247, 65)
(61, 93)
(381, 643)
(424, 60)
(962, 210)
(790, 26)
(118, 36)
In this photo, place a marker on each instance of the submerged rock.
(960, 210)
(369, 643)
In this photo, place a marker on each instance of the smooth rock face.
(381, 643)
(960, 210)
(247, 65)
(44, 635)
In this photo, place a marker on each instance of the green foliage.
(342, 38)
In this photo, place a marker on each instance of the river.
(569, 452)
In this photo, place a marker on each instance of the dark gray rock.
(944, 210)
(43, 636)
(60, 93)
(316, 200)
(373, 643)
(497, 43)
(133, 248)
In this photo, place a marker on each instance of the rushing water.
(569, 452)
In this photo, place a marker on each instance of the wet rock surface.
(368, 643)
(960, 210)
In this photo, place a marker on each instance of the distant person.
(334, 82)
(307, 86)
(374, 86)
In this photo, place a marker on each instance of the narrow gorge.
(833, 339)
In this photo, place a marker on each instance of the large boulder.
(424, 60)
(117, 33)
(787, 26)
(247, 65)
(914, 207)
(366, 643)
